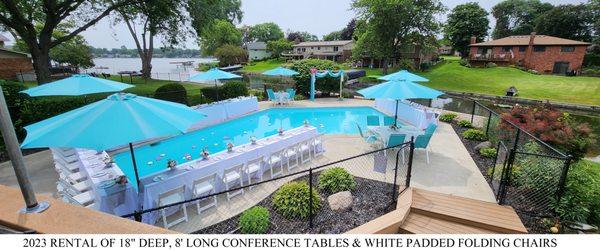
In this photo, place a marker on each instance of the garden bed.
(533, 223)
(371, 200)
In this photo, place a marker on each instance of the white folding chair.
(68, 167)
(292, 152)
(82, 199)
(305, 151)
(275, 159)
(169, 197)
(74, 189)
(231, 177)
(202, 187)
(67, 159)
(252, 168)
(317, 146)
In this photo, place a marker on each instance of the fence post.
(410, 161)
(396, 174)
(310, 200)
(563, 178)
(487, 127)
(473, 111)
(137, 216)
(505, 179)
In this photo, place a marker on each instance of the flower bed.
(371, 200)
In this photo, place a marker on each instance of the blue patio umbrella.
(280, 71)
(398, 90)
(118, 120)
(403, 75)
(213, 74)
(79, 84)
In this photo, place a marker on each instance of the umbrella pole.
(137, 178)
(217, 90)
(396, 115)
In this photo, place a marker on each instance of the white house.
(257, 51)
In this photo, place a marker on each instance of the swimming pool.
(153, 158)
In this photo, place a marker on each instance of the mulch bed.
(533, 223)
(371, 200)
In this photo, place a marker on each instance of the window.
(522, 48)
(319, 48)
(567, 49)
(303, 49)
(539, 48)
(312, 48)
(335, 48)
(506, 48)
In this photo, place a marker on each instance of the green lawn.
(260, 66)
(453, 77)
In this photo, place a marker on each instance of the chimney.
(473, 40)
(531, 38)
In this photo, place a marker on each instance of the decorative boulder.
(340, 201)
(485, 144)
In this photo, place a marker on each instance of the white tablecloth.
(187, 173)
(224, 110)
(385, 132)
(282, 97)
(411, 113)
(117, 199)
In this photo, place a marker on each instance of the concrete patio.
(451, 169)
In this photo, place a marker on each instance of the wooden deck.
(424, 212)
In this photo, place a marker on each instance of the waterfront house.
(542, 53)
(257, 51)
(338, 51)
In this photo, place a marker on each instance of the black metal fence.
(528, 173)
(377, 179)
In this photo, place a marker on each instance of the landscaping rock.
(340, 201)
(485, 144)
(583, 227)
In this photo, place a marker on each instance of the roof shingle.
(524, 40)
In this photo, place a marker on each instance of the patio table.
(186, 173)
(282, 97)
(385, 132)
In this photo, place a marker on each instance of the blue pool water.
(338, 120)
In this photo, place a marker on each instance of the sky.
(318, 17)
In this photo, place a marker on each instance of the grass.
(451, 76)
(260, 66)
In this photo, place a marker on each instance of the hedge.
(326, 85)
(228, 90)
(173, 92)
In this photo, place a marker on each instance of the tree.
(21, 16)
(279, 46)
(265, 32)
(229, 54)
(567, 21)
(301, 36)
(595, 8)
(153, 17)
(205, 13)
(348, 31)
(466, 21)
(516, 17)
(220, 33)
(386, 27)
(333, 36)
(75, 52)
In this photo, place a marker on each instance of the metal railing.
(379, 177)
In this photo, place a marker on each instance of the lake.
(162, 68)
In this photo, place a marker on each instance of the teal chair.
(422, 141)
(388, 121)
(396, 140)
(292, 93)
(372, 120)
(271, 95)
(371, 139)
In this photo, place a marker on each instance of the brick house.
(13, 63)
(544, 54)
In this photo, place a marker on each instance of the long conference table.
(185, 174)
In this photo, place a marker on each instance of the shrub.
(292, 200)
(488, 152)
(581, 199)
(228, 90)
(464, 62)
(336, 180)
(254, 220)
(474, 134)
(490, 65)
(230, 55)
(465, 123)
(425, 66)
(553, 127)
(173, 92)
(325, 85)
(448, 117)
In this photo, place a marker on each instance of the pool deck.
(451, 169)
